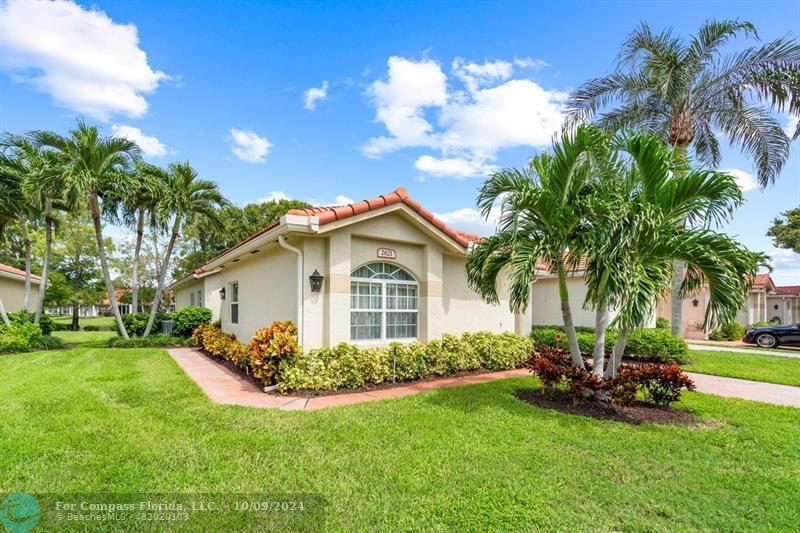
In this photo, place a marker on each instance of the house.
(765, 303)
(12, 288)
(371, 272)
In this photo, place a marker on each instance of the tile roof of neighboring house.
(761, 281)
(17, 272)
(330, 214)
(583, 262)
(788, 290)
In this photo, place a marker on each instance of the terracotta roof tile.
(400, 195)
(21, 273)
(761, 281)
(788, 290)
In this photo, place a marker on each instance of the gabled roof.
(11, 272)
(763, 282)
(329, 214)
(788, 290)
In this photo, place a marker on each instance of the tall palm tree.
(17, 165)
(188, 199)
(96, 167)
(8, 214)
(544, 209)
(685, 91)
(43, 189)
(654, 192)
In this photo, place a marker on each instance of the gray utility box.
(167, 327)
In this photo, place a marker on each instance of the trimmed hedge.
(136, 323)
(347, 366)
(730, 331)
(662, 323)
(151, 341)
(656, 345)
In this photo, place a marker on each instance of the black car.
(773, 336)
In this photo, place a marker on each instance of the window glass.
(235, 303)
(383, 303)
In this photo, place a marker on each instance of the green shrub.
(662, 323)
(152, 341)
(187, 319)
(26, 317)
(557, 338)
(20, 337)
(347, 366)
(62, 326)
(761, 324)
(578, 329)
(730, 331)
(657, 345)
(135, 323)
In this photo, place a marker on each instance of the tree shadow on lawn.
(522, 397)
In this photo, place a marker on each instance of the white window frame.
(384, 311)
(232, 302)
(200, 298)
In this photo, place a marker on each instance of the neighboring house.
(12, 288)
(765, 303)
(372, 272)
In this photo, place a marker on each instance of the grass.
(469, 458)
(105, 321)
(769, 368)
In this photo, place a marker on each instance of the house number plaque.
(387, 253)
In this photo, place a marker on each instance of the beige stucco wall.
(12, 292)
(208, 287)
(545, 305)
(787, 312)
(267, 290)
(184, 292)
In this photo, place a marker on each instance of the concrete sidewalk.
(223, 386)
(722, 348)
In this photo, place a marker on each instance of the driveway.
(718, 348)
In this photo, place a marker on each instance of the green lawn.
(107, 321)
(769, 368)
(92, 419)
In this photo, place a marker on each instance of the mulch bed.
(639, 413)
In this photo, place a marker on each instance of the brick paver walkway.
(226, 387)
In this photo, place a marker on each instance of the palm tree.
(631, 264)
(43, 189)
(17, 165)
(685, 92)
(544, 209)
(187, 200)
(96, 168)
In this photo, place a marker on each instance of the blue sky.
(425, 95)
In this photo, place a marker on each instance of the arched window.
(383, 303)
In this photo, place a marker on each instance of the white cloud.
(786, 266)
(314, 95)
(791, 125)
(456, 167)
(468, 219)
(400, 102)
(529, 62)
(343, 200)
(150, 145)
(249, 146)
(476, 75)
(274, 196)
(744, 180)
(468, 126)
(82, 58)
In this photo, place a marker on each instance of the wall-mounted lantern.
(316, 281)
(695, 302)
(222, 293)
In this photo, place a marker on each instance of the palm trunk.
(94, 209)
(566, 313)
(162, 274)
(48, 242)
(26, 239)
(678, 275)
(599, 353)
(3, 313)
(135, 271)
(616, 355)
